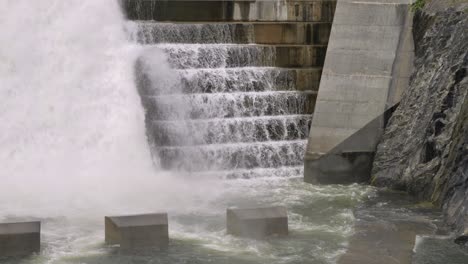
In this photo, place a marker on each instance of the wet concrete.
(386, 229)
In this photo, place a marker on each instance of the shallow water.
(439, 250)
(75, 148)
(320, 221)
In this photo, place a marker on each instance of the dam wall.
(367, 67)
(247, 77)
(230, 10)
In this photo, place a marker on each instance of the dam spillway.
(246, 83)
(74, 146)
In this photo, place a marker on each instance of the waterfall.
(233, 113)
(71, 118)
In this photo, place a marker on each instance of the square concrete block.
(257, 222)
(137, 231)
(18, 239)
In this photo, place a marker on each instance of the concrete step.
(233, 174)
(220, 80)
(228, 105)
(187, 56)
(145, 32)
(270, 154)
(229, 10)
(225, 130)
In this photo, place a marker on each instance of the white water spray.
(72, 125)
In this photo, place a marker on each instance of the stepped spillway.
(245, 92)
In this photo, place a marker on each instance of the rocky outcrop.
(424, 150)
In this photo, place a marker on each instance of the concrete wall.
(367, 68)
(367, 65)
(290, 33)
(232, 10)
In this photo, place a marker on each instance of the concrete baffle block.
(257, 222)
(18, 239)
(137, 231)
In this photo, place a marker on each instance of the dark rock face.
(425, 147)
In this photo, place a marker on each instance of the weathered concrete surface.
(230, 10)
(17, 239)
(257, 222)
(384, 242)
(368, 61)
(299, 56)
(386, 228)
(339, 168)
(311, 33)
(291, 33)
(342, 166)
(307, 79)
(424, 150)
(289, 56)
(137, 231)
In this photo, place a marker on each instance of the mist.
(72, 124)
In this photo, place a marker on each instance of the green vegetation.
(418, 5)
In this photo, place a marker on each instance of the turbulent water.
(230, 114)
(72, 125)
(76, 80)
(74, 146)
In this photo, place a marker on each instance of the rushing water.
(74, 146)
(72, 125)
(225, 129)
(318, 231)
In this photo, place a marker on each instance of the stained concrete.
(291, 33)
(367, 67)
(386, 229)
(232, 10)
(350, 161)
(18, 239)
(307, 79)
(310, 33)
(384, 242)
(299, 56)
(137, 231)
(257, 222)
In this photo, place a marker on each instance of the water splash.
(73, 134)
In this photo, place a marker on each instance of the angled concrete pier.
(367, 67)
(257, 222)
(18, 239)
(137, 231)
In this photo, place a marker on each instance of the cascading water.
(73, 145)
(233, 114)
(71, 119)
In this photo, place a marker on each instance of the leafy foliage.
(418, 5)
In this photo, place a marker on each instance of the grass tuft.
(418, 5)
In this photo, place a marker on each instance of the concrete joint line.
(374, 3)
(358, 75)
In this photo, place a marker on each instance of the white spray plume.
(72, 135)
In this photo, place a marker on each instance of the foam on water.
(73, 133)
(153, 32)
(73, 144)
(185, 56)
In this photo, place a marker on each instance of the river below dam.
(321, 221)
(202, 127)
